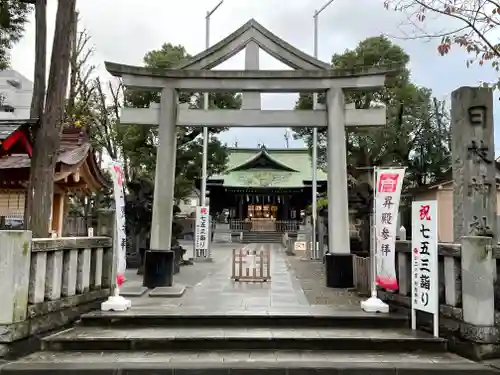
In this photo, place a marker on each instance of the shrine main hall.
(264, 184)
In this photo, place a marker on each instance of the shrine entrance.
(262, 211)
(310, 75)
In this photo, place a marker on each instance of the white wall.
(16, 91)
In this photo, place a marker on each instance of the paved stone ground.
(210, 288)
(296, 285)
(191, 275)
(312, 279)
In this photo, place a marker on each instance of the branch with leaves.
(475, 31)
(416, 123)
(13, 18)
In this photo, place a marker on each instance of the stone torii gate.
(310, 75)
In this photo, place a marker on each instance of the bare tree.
(48, 137)
(80, 85)
(475, 31)
(75, 45)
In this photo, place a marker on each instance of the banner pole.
(374, 304)
(373, 246)
(116, 302)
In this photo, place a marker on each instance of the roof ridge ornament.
(258, 160)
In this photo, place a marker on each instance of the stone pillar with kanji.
(475, 201)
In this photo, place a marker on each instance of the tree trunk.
(38, 97)
(41, 187)
(37, 100)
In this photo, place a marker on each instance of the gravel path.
(311, 276)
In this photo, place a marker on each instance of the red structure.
(77, 171)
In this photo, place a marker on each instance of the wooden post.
(240, 258)
(233, 266)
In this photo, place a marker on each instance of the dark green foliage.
(139, 144)
(417, 134)
(13, 18)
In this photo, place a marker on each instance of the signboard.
(202, 233)
(250, 260)
(118, 178)
(387, 195)
(424, 265)
(299, 246)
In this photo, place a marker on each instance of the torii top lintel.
(307, 67)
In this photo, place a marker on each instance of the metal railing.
(264, 225)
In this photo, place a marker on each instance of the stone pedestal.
(478, 277)
(222, 233)
(339, 271)
(159, 268)
(15, 260)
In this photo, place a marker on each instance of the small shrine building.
(77, 172)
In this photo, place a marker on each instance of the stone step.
(312, 316)
(200, 338)
(232, 362)
(256, 238)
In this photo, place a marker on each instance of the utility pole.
(315, 139)
(204, 166)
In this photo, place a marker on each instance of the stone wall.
(466, 338)
(48, 283)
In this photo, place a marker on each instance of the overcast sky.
(124, 30)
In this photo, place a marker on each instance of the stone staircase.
(152, 342)
(262, 237)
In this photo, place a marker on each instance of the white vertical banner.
(424, 265)
(389, 183)
(118, 178)
(202, 233)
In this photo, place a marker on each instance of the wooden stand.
(251, 265)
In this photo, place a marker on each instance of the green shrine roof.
(272, 168)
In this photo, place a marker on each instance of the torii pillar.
(159, 259)
(338, 201)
